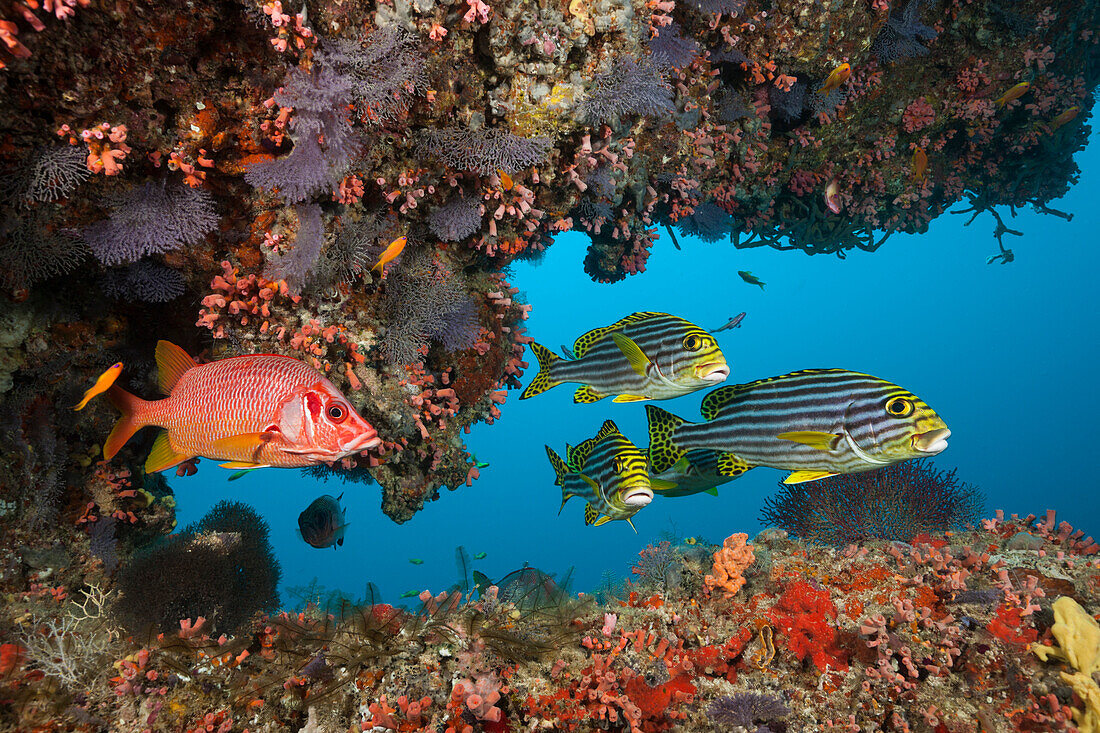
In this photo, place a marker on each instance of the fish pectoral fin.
(590, 514)
(633, 353)
(730, 464)
(244, 465)
(162, 456)
(713, 491)
(813, 438)
(629, 398)
(601, 521)
(659, 484)
(800, 477)
(591, 482)
(250, 443)
(586, 395)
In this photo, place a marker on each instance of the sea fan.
(54, 174)
(32, 252)
(355, 249)
(296, 265)
(385, 70)
(484, 151)
(457, 219)
(629, 88)
(152, 219)
(901, 37)
(422, 301)
(710, 222)
(145, 281)
(788, 105)
(673, 47)
(325, 144)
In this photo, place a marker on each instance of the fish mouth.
(637, 496)
(713, 371)
(932, 442)
(362, 442)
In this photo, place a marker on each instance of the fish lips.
(364, 441)
(713, 371)
(637, 495)
(931, 442)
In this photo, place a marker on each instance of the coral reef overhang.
(239, 169)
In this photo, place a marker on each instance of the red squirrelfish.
(839, 76)
(250, 411)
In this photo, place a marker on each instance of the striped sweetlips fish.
(644, 356)
(608, 471)
(250, 411)
(815, 422)
(322, 523)
(695, 473)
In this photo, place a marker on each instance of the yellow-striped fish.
(695, 473)
(644, 356)
(608, 471)
(1014, 92)
(815, 422)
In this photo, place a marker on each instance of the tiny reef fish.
(695, 473)
(734, 322)
(505, 180)
(481, 555)
(644, 356)
(750, 278)
(608, 471)
(410, 594)
(815, 422)
(322, 523)
(102, 384)
(920, 163)
(832, 196)
(250, 411)
(838, 76)
(416, 561)
(1066, 116)
(1014, 92)
(390, 253)
(690, 541)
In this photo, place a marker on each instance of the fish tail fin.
(663, 452)
(128, 424)
(543, 380)
(560, 469)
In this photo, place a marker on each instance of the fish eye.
(900, 407)
(691, 343)
(336, 412)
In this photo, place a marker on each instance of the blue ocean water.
(1006, 354)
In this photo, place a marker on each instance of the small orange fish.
(1066, 116)
(920, 163)
(832, 196)
(505, 180)
(251, 411)
(1015, 92)
(390, 253)
(839, 76)
(102, 384)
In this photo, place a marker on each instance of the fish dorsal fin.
(799, 477)
(586, 395)
(584, 341)
(719, 398)
(162, 455)
(172, 362)
(608, 428)
(577, 455)
(813, 438)
(633, 353)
